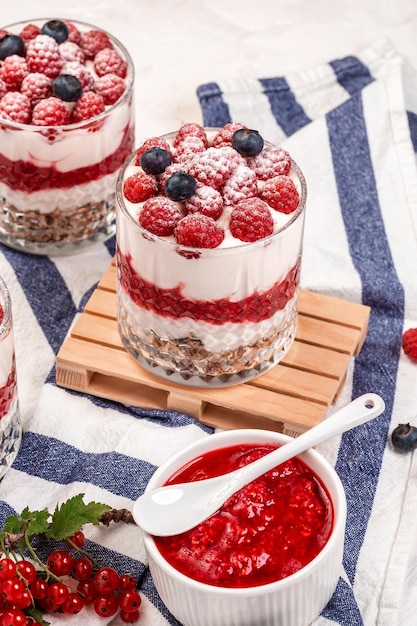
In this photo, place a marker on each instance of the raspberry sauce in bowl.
(273, 553)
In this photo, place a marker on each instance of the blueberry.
(155, 160)
(56, 29)
(247, 142)
(404, 437)
(180, 186)
(67, 88)
(11, 44)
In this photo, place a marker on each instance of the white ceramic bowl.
(293, 601)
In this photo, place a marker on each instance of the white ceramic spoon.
(173, 509)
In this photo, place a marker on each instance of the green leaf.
(13, 525)
(72, 515)
(37, 615)
(38, 522)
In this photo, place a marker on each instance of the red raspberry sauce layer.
(26, 176)
(172, 303)
(267, 531)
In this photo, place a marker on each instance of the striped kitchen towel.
(352, 127)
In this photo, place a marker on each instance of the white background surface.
(176, 45)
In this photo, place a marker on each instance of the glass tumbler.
(10, 425)
(57, 182)
(207, 317)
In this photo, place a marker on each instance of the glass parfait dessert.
(209, 244)
(66, 127)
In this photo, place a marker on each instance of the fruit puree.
(208, 285)
(60, 158)
(267, 531)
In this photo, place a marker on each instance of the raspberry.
(93, 41)
(207, 201)
(108, 61)
(42, 55)
(198, 231)
(15, 106)
(89, 105)
(30, 31)
(3, 88)
(74, 34)
(251, 220)
(13, 71)
(36, 87)
(160, 216)
(188, 148)
(71, 51)
(110, 87)
(272, 161)
(241, 184)
(224, 136)
(50, 112)
(81, 72)
(281, 194)
(211, 168)
(153, 142)
(409, 343)
(139, 187)
(191, 130)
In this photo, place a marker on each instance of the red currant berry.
(27, 571)
(106, 606)
(73, 604)
(60, 562)
(129, 617)
(77, 539)
(7, 568)
(127, 582)
(58, 593)
(12, 590)
(13, 617)
(24, 600)
(88, 591)
(39, 588)
(83, 568)
(129, 601)
(106, 580)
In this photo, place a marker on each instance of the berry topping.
(81, 72)
(67, 87)
(189, 147)
(160, 216)
(108, 61)
(36, 87)
(155, 160)
(30, 31)
(207, 201)
(70, 51)
(93, 41)
(15, 106)
(50, 112)
(89, 105)
(13, 71)
(211, 168)
(180, 186)
(225, 134)
(42, 55)
(281, 194)
(56, 29)
(3, 88)
(153, 142)
(74, 34)
(247, 142)
(272, 161)
(241, 184)
(404, 437)
(11, 44)
(110, 87)
(251, 220)
(139, 187)
(409, 343)
(199, 231)
(191, 130)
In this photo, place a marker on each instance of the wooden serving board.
(290, 398)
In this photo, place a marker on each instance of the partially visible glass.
(10, 424)
(57, 182)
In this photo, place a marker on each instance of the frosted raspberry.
(110, 87)
(140, 187)
(50, 112)
(89, 105)
(152, 142)
(207, 201)
(188, 148)
(13, 71)
(74, 34)
(211, 168)
(15, 106)
(281, 194)
(70, 51)
(82, 73)
(3, 88)
(409, 343)
(225, 134)
(160, 216)
(191, 130)
(93, 41)
(42, 55)
(272, 161)
(234, 157)
(36, 87)
(240, 185)
(108, 61)
(198, 231)
(251, 220)
(30, 31)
